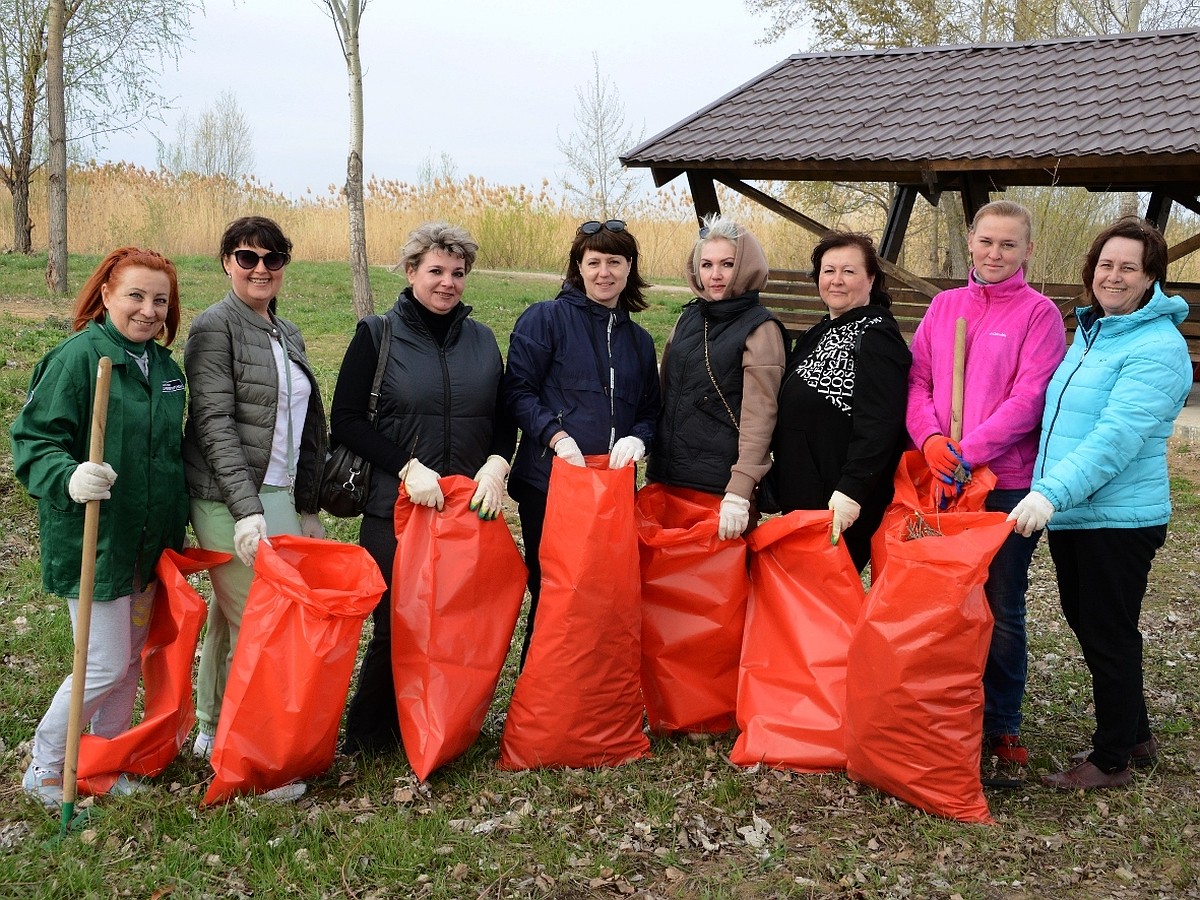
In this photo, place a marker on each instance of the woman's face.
(999, 246)
(1120, 281)
(258, 285)
(438, 280)
(604, 276)
(843, 281)
(717, 258)
(136, 300)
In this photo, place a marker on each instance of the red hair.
(89, 307)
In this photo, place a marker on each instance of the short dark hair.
(258, 231)
(615, 243)
(1154, 255)
(835, 239)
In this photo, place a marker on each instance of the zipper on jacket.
(1049, 430)
(445, 409)
(612, 381)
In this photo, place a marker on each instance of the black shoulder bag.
(347, 476)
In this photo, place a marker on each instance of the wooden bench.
(792, 295)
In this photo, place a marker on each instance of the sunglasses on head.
(273, 259)
(593, 227)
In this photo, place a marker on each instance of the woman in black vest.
(842, 404)
(721, 369)
(439, 413)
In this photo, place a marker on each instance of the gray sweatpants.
(114, 667)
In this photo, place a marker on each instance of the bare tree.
(56, 183)
(596, 179)
(346, 15)
(221, 143)
(863, 24)
(108, 74)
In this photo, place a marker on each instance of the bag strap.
(385, 339)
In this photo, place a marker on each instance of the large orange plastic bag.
(694, 589)
(915, 675)
(457, 585)
(805, 597)
(913, 485)
(169, 710)
(292, 664)
(577, 702)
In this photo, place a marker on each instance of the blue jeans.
(1007, 583)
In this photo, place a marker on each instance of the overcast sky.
(492, 83)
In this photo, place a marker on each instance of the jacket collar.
(576, 297)
(406, 309)
(249, 316)
(725, 310)
(1001, 291)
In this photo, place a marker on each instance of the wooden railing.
(793, 297)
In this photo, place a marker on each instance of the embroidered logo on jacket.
(172, 386)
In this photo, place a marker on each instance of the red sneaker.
(1008, 748)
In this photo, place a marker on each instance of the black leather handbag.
(347, 476)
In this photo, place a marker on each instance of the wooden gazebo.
(1107, 113)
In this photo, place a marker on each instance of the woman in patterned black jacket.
(841, 406)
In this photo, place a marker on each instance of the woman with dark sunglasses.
(581, 378)
(721, 369)
(254, 444)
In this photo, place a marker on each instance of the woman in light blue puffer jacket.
(1100, 481)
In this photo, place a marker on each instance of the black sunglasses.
(273, 259)
(593, 227)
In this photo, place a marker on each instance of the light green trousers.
(231, 585)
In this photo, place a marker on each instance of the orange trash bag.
(915, 676)
(292, 665)
(169, 708)
(694, 589)
(457, 585)
(578, 701)
(805, 598)
(913, 485)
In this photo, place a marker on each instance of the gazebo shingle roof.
(1094, 111)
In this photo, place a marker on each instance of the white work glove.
(247, 533)
(628, 449)
(91, 481)
(1032, 514)
(490, 493)
(421, 482)
(310, 525)
(735, 516)
(567, 449)
(845, 514)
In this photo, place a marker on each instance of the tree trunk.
(56, 258)
(22, 224)
(364, 301)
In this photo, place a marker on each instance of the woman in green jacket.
(128, 304)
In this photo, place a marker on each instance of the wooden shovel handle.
(87, 584)
(960, 367)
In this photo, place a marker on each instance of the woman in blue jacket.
(1100, 482)
(581, 378)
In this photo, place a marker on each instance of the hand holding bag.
(347, 476)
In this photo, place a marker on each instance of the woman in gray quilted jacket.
(254, 444)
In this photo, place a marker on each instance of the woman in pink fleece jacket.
(1015, 340)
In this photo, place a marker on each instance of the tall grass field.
(684, 823)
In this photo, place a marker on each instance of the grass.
(673, 826)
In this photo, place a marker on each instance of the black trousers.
(1102, 575)
(372, 724)
(531, 509)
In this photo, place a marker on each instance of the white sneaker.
(288, 793)
(43, 785)
(203, 745)
(126, 785)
